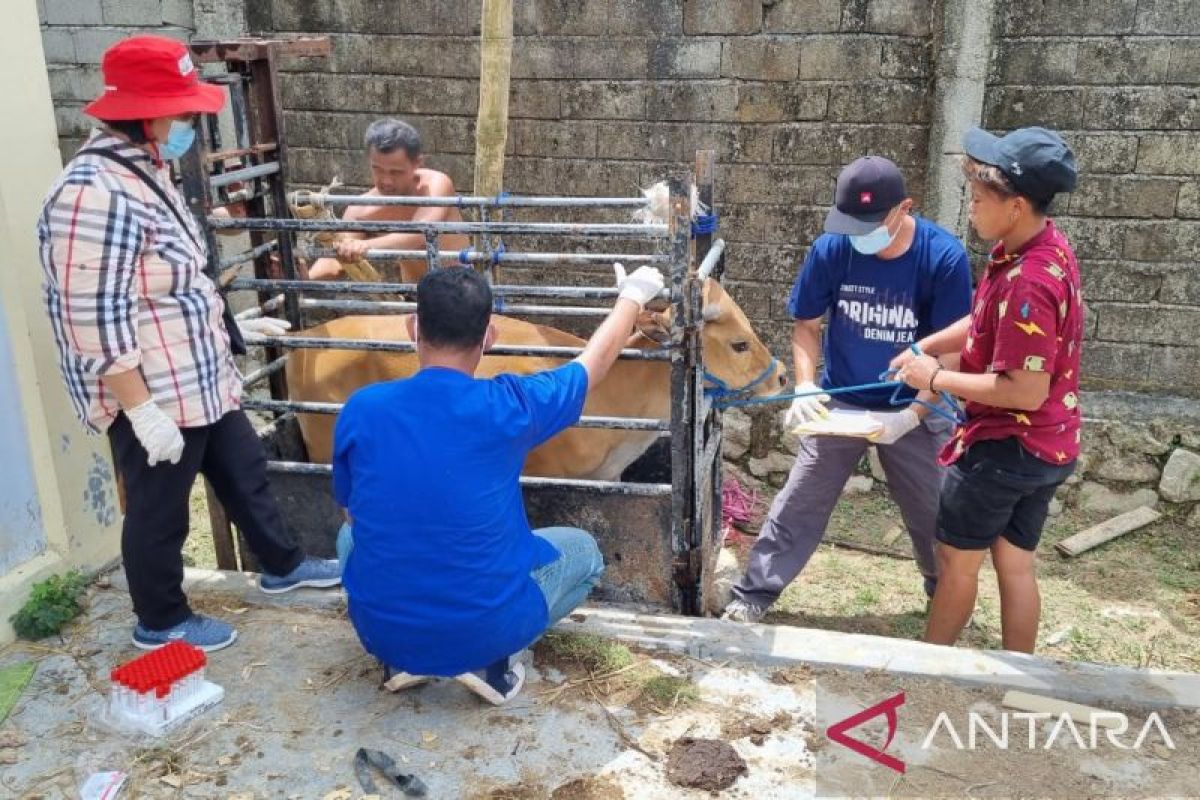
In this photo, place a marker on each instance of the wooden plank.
(1039, 704)
(1106, 531)
(222, 532)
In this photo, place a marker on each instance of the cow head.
(733, 353)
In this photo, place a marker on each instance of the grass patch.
(668, 691)
(593, 654)
(1134, 601)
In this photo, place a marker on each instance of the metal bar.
(206, 51)
(364, 287)
(468, 201)
(248, 255)
(479, 257)
(378, 345)
(609, 423)
(431, 251)
(244, 174)
(711, 260)
(396, 307)
(264, 372)
(527, 482)
(631, 231)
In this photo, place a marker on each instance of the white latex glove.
(806, 409)
(263, 326)
(157, 432)
(642, 286)
(895, 424)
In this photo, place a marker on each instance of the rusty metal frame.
(258, 158)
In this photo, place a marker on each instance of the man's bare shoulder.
(435, 183)
(360, 212)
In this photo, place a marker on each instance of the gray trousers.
(800, 513)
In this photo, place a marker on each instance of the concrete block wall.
(75, 34)
(1120, 79)
(612, 94)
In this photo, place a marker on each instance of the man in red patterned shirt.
(1015, 361)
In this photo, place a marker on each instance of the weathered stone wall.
(609, 95)
(1120, 79)
(75, 34)
(612, 94)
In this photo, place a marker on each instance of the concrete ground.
(302, 698)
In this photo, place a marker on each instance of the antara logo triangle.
(837, 732)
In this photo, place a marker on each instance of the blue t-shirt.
(878, 307)
(439, 578)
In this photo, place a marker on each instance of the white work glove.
(642, 286)
(895, 424)
(263, 326)
(157, 432)
(806, 409)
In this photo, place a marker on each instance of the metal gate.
(659, 526)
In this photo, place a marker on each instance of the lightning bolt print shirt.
(1027, 315)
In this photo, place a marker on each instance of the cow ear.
(711, 312)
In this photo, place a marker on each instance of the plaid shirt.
(125, 289)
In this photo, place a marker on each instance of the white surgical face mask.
(874, 242)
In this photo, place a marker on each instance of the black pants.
(230, 455)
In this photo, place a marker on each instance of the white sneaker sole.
(323, 583)
(209, 648)
(482, 688)
(402, 680)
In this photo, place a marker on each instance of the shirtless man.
(394, 152)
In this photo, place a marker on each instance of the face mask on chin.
(179, 139)
(874, 242)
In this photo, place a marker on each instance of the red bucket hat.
(146, 77)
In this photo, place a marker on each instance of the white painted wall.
(45, 456)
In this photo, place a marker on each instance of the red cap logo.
(864, 198)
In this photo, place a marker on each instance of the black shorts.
(997, 488)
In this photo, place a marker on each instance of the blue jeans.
(565, 582)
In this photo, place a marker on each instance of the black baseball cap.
(867, 189)
(1036, 161)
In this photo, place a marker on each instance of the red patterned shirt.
(1028, 315)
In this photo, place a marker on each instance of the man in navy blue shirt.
(443, 574)
(884, 278)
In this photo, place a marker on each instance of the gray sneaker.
(197, 630)
(319, 573)
(741, 611)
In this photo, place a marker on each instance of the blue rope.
(724, 396)
(499, 251)
(501, 197)
(464, 256)
(704, 224)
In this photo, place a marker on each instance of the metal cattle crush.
(659, 526)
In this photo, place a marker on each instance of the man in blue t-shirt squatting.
(444, 576)
(885, 278)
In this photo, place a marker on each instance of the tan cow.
(732, 352)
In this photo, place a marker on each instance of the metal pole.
(505, 201)
(622, 230)
(487, 256)
(385, 346)
(608, 423)
(243, 174)
(602, 487)
(366, 287)
(397, 307)
(264, 372)
(711, 260)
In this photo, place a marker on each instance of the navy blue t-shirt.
(878, 307)
(439, 578)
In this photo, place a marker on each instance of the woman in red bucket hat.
(144, 346)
